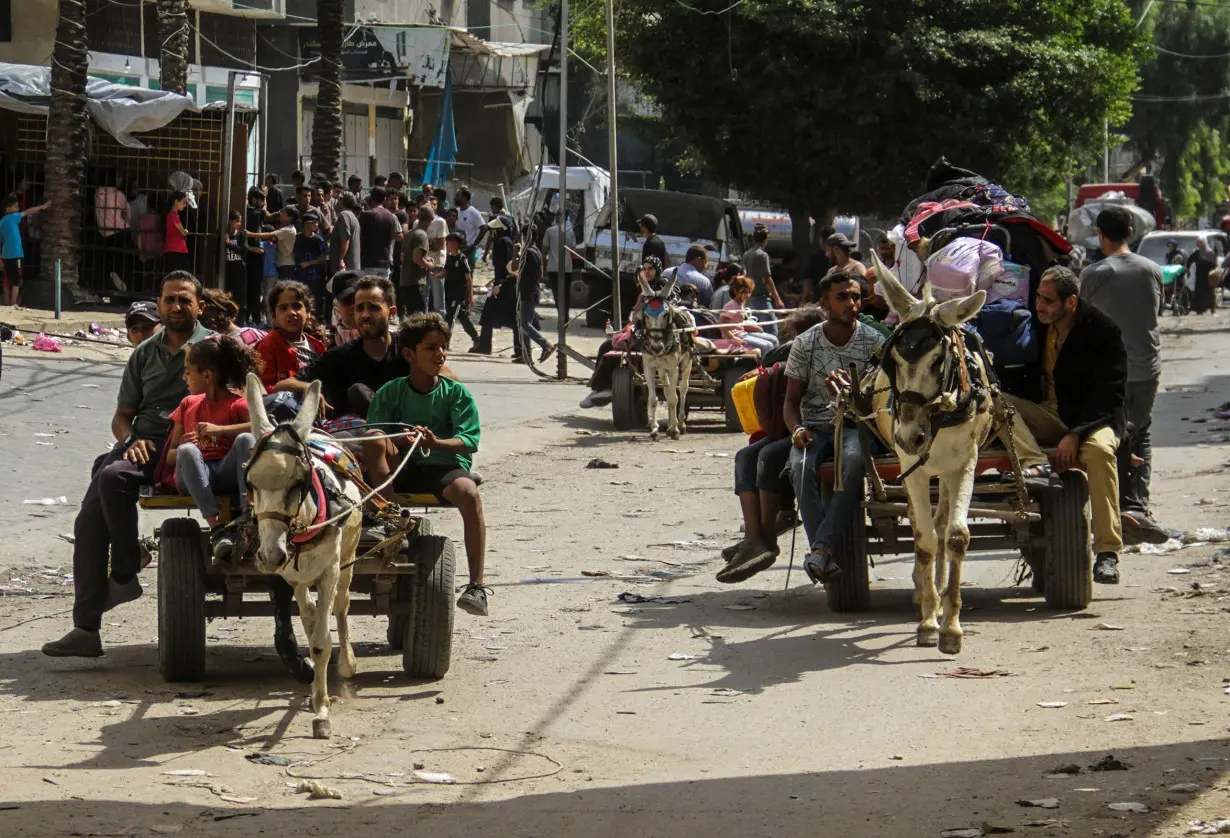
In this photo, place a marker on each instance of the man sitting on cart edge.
(445, 414)
(1083, 387)
(106, 526)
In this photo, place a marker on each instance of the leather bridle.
(300, 451)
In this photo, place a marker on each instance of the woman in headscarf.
(1204, 260)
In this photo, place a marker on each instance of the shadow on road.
(906, 800)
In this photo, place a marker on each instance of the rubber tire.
(629, 409)
(1068, 566)
(181, 601)
(396, 631)
(428, 644)
(851, 591)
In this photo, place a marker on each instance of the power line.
(1209, 97)
(710, 11)
(1185, 55)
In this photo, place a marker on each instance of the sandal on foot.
(820, 566)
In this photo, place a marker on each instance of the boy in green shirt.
(444, 412)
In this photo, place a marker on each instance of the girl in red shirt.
(210, 440)
(290, 345)
(175, 237)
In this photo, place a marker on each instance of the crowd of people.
(182, 423)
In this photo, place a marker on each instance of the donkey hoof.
(653, 435)
(321, 729)
(950, 644)
(928, 637)
(673, 434)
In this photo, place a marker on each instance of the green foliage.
(822, 104)
(1182, 108)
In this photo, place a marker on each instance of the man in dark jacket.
(1084, 386)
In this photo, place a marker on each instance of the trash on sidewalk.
(1120, 717)
(973, 673)
(439, 778)
(963, 832)
(1184, 788)
(680, 656)
(43, 343)
(316, 790)
(267, 759)
(1052, 705)
(1207, 828)
(60, 501)
(1134, 808)
(1105, 627)
(1206, 535)
(1044, 803)
(598, 462)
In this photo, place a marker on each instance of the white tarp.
(119, 109)
(421, 52)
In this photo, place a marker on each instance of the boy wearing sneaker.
(444, 413)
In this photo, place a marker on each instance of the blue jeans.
(763, 302)
(203, 479)
(822, 525)
(529, 324)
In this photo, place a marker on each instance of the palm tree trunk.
(173, 34)
(327, 125)
(67, 145)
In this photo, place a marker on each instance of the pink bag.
(1011, 284)
(962, 267)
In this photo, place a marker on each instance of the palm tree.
(173, 34)
(67, 145)
(327, 125)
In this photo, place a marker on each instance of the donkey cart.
(1045, 520)
(712, 390)
(410, 581)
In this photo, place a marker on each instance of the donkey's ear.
(953, 312)
(307, 411)
(899, 300)
(255, 392)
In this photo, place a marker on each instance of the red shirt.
(174, 241)
(280, 359)
(232, 410)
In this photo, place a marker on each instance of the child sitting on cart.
(444, 414)
(210, 440)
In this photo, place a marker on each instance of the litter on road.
(1134, 808)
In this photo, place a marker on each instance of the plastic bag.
(963, 266)
(47, 344)
(1011, 284)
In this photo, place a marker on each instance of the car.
(1176, 295)
(684, 220)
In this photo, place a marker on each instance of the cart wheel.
(628, 406)
(851, 591)
(428, 642)
(1067, 569)
(396, 631)
(729, 380)
(181, 601)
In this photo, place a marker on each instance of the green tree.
(819, 105)
(1183, 105)
(68, 136)
(327, 122)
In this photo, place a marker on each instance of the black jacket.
(1091, 375)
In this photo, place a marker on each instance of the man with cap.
(654, 246)
(142, 321)
(341, 288)
(841, 246)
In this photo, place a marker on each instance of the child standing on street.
(284, 237)
(210, 440)
(458, 285)
(11, 250)
(445, 414)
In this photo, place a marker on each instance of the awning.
(466, 41)
(120, 110)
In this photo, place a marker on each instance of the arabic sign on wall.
(417, 54)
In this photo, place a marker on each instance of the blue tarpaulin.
(443, 154)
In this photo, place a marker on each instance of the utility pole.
(565, 258)
(616, 307)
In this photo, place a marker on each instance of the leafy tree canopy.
(1183, 108)
(819, 105)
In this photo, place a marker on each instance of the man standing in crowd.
(558, 253)
(764, 292)
(345, 249)
(274, 199)
(106, 551)
(1127, 288)
(529, 278)
(378, 230)
(498, 311)
(469, 223)
(1085, 369)
(417, 264)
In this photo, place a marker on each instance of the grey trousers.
(1134, 480)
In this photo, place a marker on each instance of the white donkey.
(290, 500)
(938, 416)
(667, 356)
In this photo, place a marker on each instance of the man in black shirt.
(529, 278)
(654, 246)
(255, 262)
(378, 230)
(499, 310)
(351, 374)
(275, 201)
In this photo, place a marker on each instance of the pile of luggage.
(974, 235)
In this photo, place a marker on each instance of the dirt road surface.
(724, 710)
